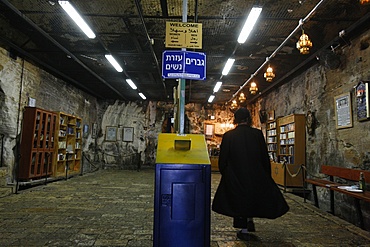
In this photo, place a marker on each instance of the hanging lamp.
(253, 89)
(269, 74)
(304, 43)
(242, 98)
(233, 105)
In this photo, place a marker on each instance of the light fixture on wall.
(227, 126)
(253, 89)
(364, 2)
(114, 63)
(304, 43)
(269, 74)
(72, 12)
(211, 115)
(242, 98)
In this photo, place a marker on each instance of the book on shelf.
(62, 145)
(62, 133)
(70, 131)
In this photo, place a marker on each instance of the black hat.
(242, 115)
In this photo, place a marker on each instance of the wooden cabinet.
(37, 144)
(68, 145)
(214, 163)
(291, 151)
(214, 152)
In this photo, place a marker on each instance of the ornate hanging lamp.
(253, 89)
(269, 74)
(233, 105)
(242, 98)
(304, 43)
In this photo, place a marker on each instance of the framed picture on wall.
(362, 100)
(209, 130)
(111, 133)
(343, 111)
(31, 102)
(128, 134)
(94, 130)
(271, 115)
(85, 130)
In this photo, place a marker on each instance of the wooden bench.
(351, 176)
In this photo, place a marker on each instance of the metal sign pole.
(182, 81)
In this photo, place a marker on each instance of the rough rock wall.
(314, 91)
(20, 80)
(127, 154)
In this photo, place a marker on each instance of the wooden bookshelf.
(68, 146)
(291, 151)
(37, 144)
(271, 140)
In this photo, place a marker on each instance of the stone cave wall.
(314, 91)
(20, 80)
(145, 124)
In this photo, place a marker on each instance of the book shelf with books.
(271, 140)
(291, 151)
(68, 146)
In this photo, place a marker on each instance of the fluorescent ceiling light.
(210, 99)
(228, 66)
(114, 63)
(217, 86)
(71, 11)
(131, 83)
(142, 96)
(249, 23)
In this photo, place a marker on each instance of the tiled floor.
(115, 208)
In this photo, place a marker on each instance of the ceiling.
(134, 32)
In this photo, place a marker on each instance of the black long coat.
(246, 188)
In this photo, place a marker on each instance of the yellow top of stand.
(168, 153)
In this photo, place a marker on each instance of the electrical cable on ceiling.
(301, 22)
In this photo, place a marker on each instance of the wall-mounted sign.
(184, 65)
(362, 100)
(183, 35)
(31, 102)
(343, 111)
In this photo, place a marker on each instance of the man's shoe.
(243, 236)
(250, 226)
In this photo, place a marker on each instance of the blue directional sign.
(184, 65)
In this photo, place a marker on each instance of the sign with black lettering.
(183, 35)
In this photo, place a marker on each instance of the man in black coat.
(246, 189)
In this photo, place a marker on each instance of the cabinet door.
(36, 166)
(33, 165)
(182, 199)
(47, 163)
(37, 131)
(48, 123)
